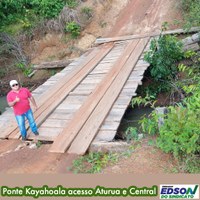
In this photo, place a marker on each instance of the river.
(132, 116)
(3, 104)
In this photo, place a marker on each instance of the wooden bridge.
(86, 101)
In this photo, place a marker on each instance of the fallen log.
(193, 47)
(53, 64)
(191, 39)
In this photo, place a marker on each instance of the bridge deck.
(95, 78)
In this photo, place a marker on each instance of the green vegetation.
(26, 70)
(72, 3)
(48, 8)
(24, 14)
(163, 56)
(74, 29)
(87, 11)
(191, 10)
(38, 144)
(22, 20)
(23, 10)
(180, 133)
(93, 162)
(131, 133)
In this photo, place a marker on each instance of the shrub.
(191, 10)
(180, 133)
(163, 55)
(72, 3)
(131, 133)
(25, 69)
(150, 124)
(87, 11)
(93, 162)
(13, 11)
(48, 8)
(73, 28)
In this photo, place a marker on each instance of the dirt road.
(138, 16)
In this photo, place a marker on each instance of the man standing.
(19, 98)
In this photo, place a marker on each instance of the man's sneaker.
(23, 138)
(36, 133)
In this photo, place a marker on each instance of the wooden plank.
(46, 134)
(69, 106)
(115, 114)
(74, 99)
(93, 77)
(49, 82)
(146, 35)
(63, 111)
(122, 100)
(104, 66)
(108, 62)
(143, 68)
(129, 92)
(54, 123)
(98, 76)
(111, 57)
(118, 109)
(91, 81)
(59, 115)
(105, 135)
(90, 128)
(12, 128)
(131, 84)
(81, 92)
(129, 37)
(110, 125)
(88, 86)
(41, 89)
(136, 78)
(118, 106)
(64, 139)
(67, 85)
(142, 62)
(105, 71)
(138, 73)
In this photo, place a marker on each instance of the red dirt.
(145, 16)
(146, 159)
(138, 16)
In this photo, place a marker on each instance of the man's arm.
(32, 100)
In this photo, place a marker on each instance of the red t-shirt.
(23, 105)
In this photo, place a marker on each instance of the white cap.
(13, 82)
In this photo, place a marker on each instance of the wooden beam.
(140, 36)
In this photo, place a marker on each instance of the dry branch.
(13, 47)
